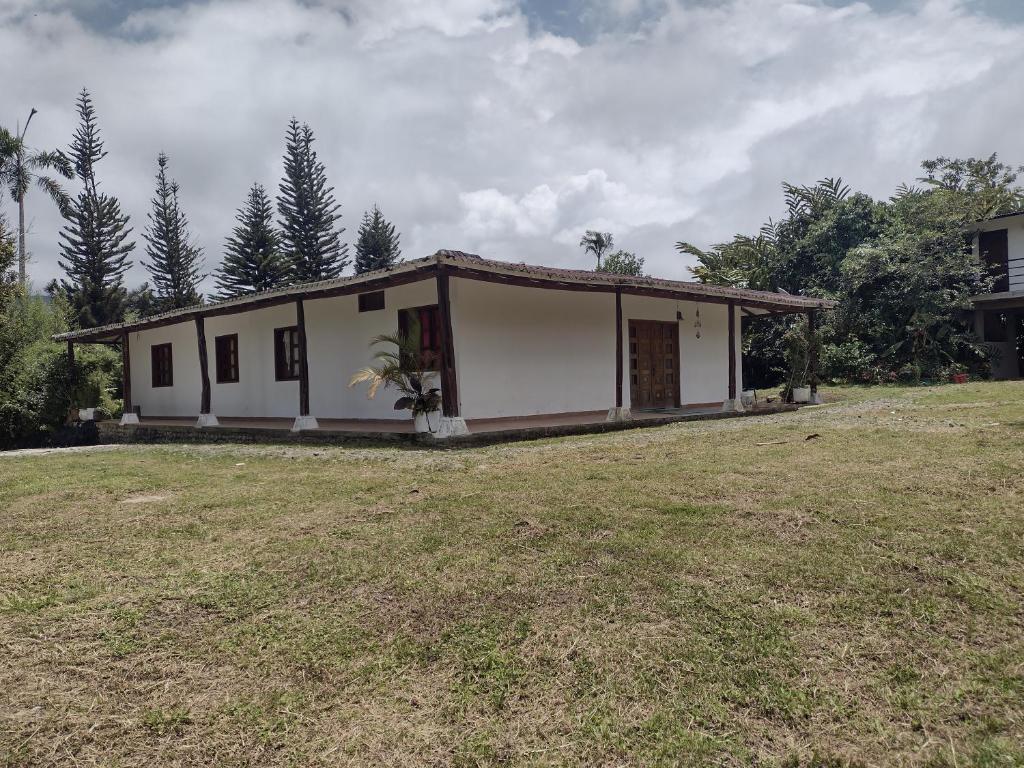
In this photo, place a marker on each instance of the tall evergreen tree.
(174, 260)
(308, 211)
(377, 246)
(253, 261)
(95, 245)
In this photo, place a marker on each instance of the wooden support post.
(732, 352)
(449, 376)
(126, 375)
(812, 353)
(204, 366)
(618, 346)
(300, 320)
(72, 374)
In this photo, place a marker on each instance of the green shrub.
(35, 385)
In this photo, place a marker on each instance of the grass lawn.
(720, 593)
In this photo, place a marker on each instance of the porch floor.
(405, 426)
(161, 429)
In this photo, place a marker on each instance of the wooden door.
(653, 364)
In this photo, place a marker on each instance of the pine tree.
(308, 212)
(377, 246)
(174, 260)
(253, 261)
(95, 246)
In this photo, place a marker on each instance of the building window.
(994, 326)
(163, 369)
(425, 323)
(286, 353)
(993, 247)
(226, 352)
(371, 302)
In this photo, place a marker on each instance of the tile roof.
(468, 264)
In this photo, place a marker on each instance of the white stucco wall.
(704, 363)
(1014, 226)
(526, 351)
(183, 397)
(519, 351)
(339, 344)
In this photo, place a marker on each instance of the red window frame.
(429, 342)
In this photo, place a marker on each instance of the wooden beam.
(126, 375)
(72, 373)
(204, 365)
(449, 376)
(732, 352)
(300, 320)
(618, 348)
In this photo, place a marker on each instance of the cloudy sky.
(508, 128)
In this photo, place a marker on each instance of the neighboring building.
(999, 315)
(513, 341)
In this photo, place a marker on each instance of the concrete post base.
(207, 420)
(733, 406)
(304, 422)
(619, 414)
(450, 426)
(815, 399)
(128, 418)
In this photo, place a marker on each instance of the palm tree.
(597, 243)
(19, 168)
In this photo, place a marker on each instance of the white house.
(513, 341)
(999, 315)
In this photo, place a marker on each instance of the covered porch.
(999, 322)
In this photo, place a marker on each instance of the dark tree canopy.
(377, 245)
(308, 211)
(898, 268)
(95, 245)
(253, 260)
(174, 260)
(623, 263)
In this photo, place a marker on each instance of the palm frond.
(55, 191)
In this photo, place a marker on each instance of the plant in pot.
(798, 361)
(402, 366)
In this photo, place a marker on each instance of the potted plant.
(405, 368)
(798, 361)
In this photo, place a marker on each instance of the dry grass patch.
(679, 595)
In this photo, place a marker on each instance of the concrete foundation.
(304, 423)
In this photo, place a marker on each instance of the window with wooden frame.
(286, 353)
(225, 350)
(162, 365)
(425, 323)
(371, 302)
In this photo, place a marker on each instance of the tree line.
(902, 271)
(303, 244)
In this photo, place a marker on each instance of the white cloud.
(471, 131)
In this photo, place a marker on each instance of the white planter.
(801, 394)
(747, 398)
(427, 422)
